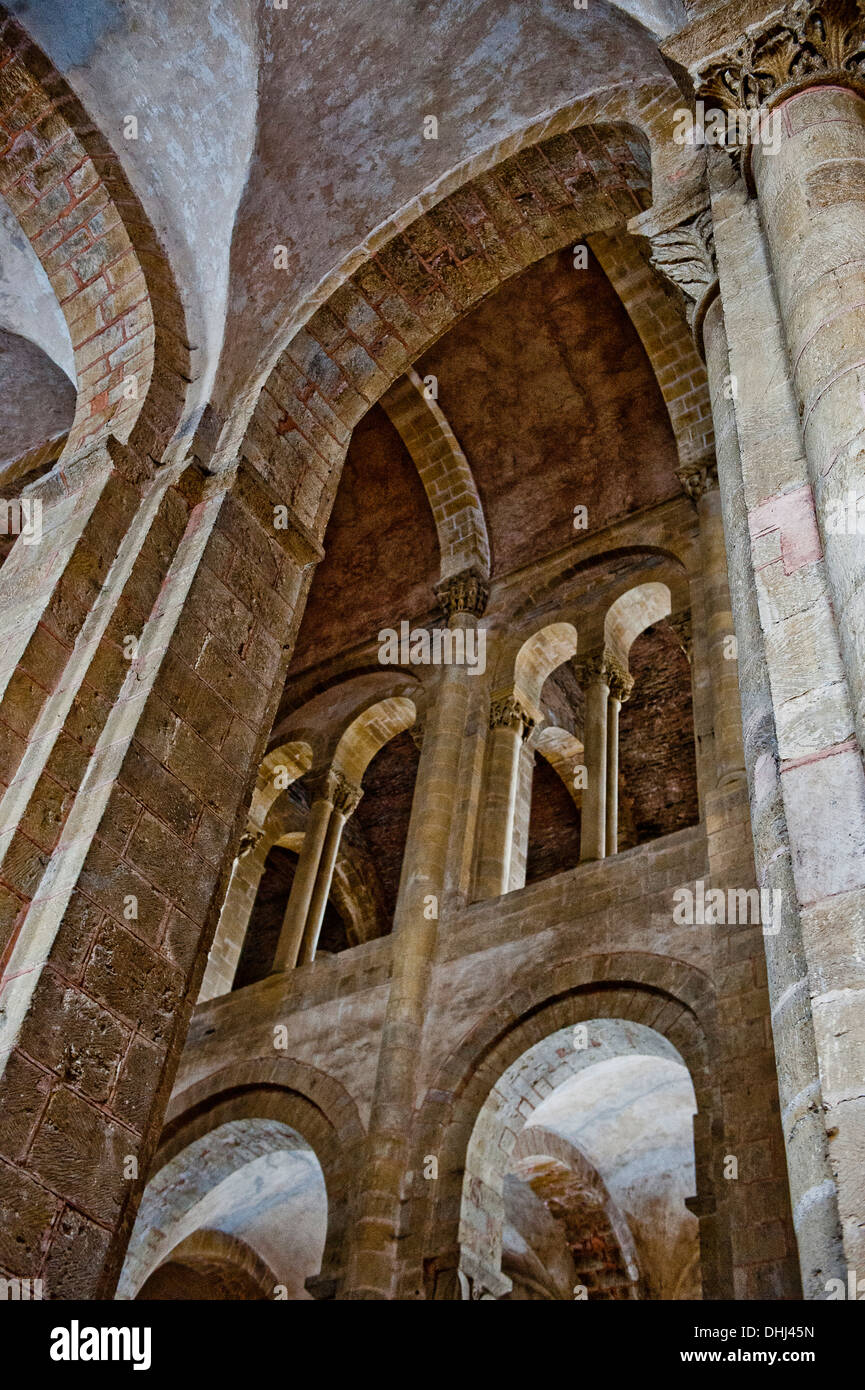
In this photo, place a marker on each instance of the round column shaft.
(346, 798)
(594, 677)
(509, 725)
(621, 685)
(300, 897)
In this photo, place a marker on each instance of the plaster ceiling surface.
(28, 305)
(38, 400)
(303, 127)
(187, 72)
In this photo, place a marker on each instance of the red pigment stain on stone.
(791, 513)
(832, 751)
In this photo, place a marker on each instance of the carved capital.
(248, 841)
(343, 794)
(595, 667)
(698, 476)
(620, 680)
(507, 712)
(685, 255)
(467, 592)
(799, 45)
(329, 784)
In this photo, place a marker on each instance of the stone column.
(805, 74)
(431, 840)
(812, 1189)
(594, 677)
(234, 918)
(346, 797)
(799, 412)
(510, 724)
(700, 480)
(740, 1220)
(299, 899)
(621, 685)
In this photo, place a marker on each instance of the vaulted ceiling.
(302, 125)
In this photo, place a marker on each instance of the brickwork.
(68, 190)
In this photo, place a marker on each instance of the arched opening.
(579, 1168)
(555, 400)
(210, 1265)
(563, 1234)
(382, 817)
(553, 840)
(323, 874)
(265, 922)
(657, 752)
(254, 1182)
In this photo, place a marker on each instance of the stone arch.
(679, 369)
(674, 999)
(346, 744)
(309, 1101)
(445, 473)
(66, 186)
(498, 1131)
(349, 748)
(563, 751)
(207, 1252)
(329, 709)
(280, 767)
(369, 731)
(523, 666)
(555, 598)
(539, 1148)
(357, 896)
(539, 655)
(632, 612)
(643, 117)
(423, 273)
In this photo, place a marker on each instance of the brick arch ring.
(113, 281)
(673, 998)
(309, 1101)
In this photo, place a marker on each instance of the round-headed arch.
(632, 612)
(368, 733)
(66, 186)
(310, 1102)
(674, 999)
(426, 272)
